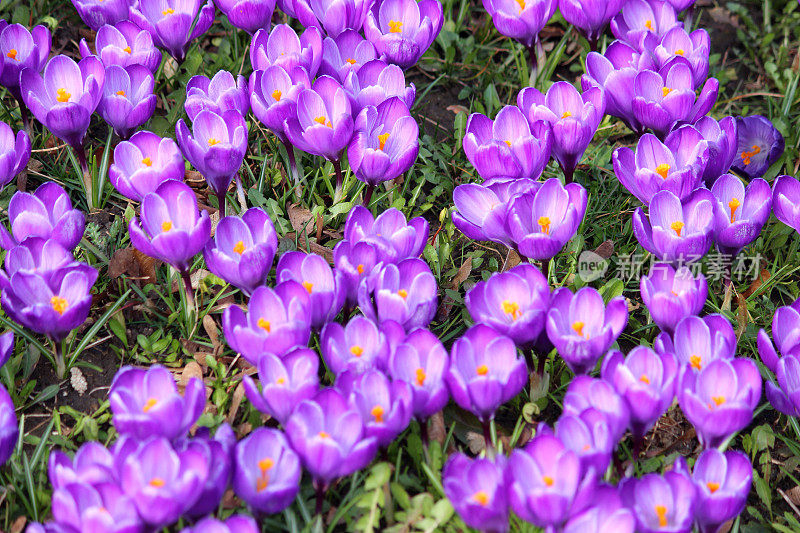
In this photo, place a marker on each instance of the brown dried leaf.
(794, 495)
(300, 218)
(211, 330)
(236, 401)
(463, 273)
(742, 315)
(512, 260)
(436, 429)
(19, 525)
(763, 276)
(132, 263)
(196, 277)
(191, 370)
(456, 108)
(605, 250)
(147, 266)
(475, 442)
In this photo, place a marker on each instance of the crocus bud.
(219, 94)
(128, 100)
(172, 23)
(660, 503)
(248, 15)
(285, 382)
(421, 361)
(45, 213)
(96, 13)
(405, 293)
(356, 347)
(739, 213)
(282, 47)
(144, 162)
(124, 44)
(15, 151)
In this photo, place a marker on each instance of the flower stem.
(487, 437)
(688, 19)
(337, 168)
(187, 288)
(26, 117)
(320, 488)
(240, 192)
(86, 176)
(537, 57)
(293, 168)
(220, 202)
(368, 194)
(58, 353)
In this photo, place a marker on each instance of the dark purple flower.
(144, 162)
(509, 147)
(402, 30)
(721, 139)
(678, 46)
(45, 213)
(720, 399)
(312, 271)
(540, 223)
(786, 201)
(643, 17)
(146, 403)
(267, 475)
(93, 464)
(348, 52)
(698, 341)
(385, 144)
(421, 361)
(329, 437)
(354, 261)
(660, 503)
(219, 94)
(671, 294)
(385, 405)
(739, 213)
(476, 489)
(374, 83)
(248, 15)
(234, 524)
(242, 249)
(573, 119)
(332, 16)
(676, 165)
(606, 514)
(722, 482)
(65, 95)
(521, 20)
(675, 231)
(589, 436)
(94, 508)
(218, 455)
(285, 382)
(273, 96)
(124, 44)
(21, 48)
(276, 321)
(282, 47)
(786, 331)
(9, 428)
(357, 347)
(485, 371)
(394, 237)
(760, 144)
(14, 153)
(174, 24)
(96, 13)
(405, 292)
(646, 380)
(514, 303)
(215, 147)
(128, 100)
(587, 393)
(171, 228)
(44, 258)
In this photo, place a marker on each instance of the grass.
(470, 68)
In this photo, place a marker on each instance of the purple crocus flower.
(329, 437)
(273, 96)
(646, 380)
(215, 147)
(385, 143)
(276, 321)
(285, 382)
(402, 30)
(643, 17)
(662, 99)
(96, 13)
(242, 249)
(162, 482)
(606, 514)
(676, 165)
(590, 17)
(405, 293)
(589, 436)
(698, 341)
(356, 347)
(514, 303)
(15, 151)
(476, 489)
(44, 258)
(509, 147)
(174, 24)
(786, 201)
(660, 503)
(45, 213)
(675, 231)
(678, 46)
(171, 228)
(721, 139)
(722, 482)
(573, 119)
(144, 162)
(324, 124)
(485, 371)
(540, 223)
(64, 96)
(93, 464)
(128, 100)
(720, 399)
(100, 507)
(394, 237)
(348, 52)
(739, 213)
(582, 327)
(282, 47)
(234, 524)
(312, 271)
(21, 49)
(421, 361)
(332, 16)
(219, 94)
(760, 144)
(146, 403)
(267, 475)
(248, 15)
(587, 393)
(385, 405)
(217, 453)
(544, 480)
(354, 261)
(521, 21)
(9, 428)
(374, 83)
(124, 44)
(784, 396)
(671, 294)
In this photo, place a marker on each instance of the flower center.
(264, 465)
(120, 93)
(324, 121)
(734, 204)
(280, 381)
(508, 143)
(548, 481)
(212, 141)
(149, 404)
(713, 486)
(402, 293)
(382, 138)
(662, 170)
(360, 269)
(696, 361)
(648, 24)
(357, 350)
(661, 512)
(420, 377)
(166, 226)
(147, 162)
(168, 11)
(62, 95)
(665, 91)
(644, 379)
(239, 247)
(482, 370)
(323, 435)
(566, 114)
(307, 285)
(12, 54)
(679, 52)
(481, 497)
(59, 304)
(511, 308)
(157, 482)
(127, 50)
(677, 226)
(395, 26)
(351, 61)
(521, 5)
(276, 94)
(264, 324)
(747, 155)
(377, 414)
(718, 400)
(544, 223)
(577, 326)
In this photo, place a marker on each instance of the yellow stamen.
(357, 350)
(663, 170)
(324, 121)
(566, 114)
(679, 52)
(157, 482)
(661, 511)
(696, 361)
(12, 54)
(402, 293)
(578, 327)
(544, 223)
(746, 156)
(713, 486)
(734, 205)
(395, 26)
(127, 50)
(147, 162)
(62, 95)
(382, 138)
(649, 25)
(677, 226)
(351, 61)
(481, 497)
(307, 285)
(421, 377)
(261, 483)
(166, 226)
(59, 304)
(280, 381)
(265, 464)
(521, 5)
(377, 414)
(482, 370)
(264, 324)
(718, 400)
(276, 94)
(511, 308)
(323, 435)
(508, 143)
(548, 481)
(239, 247)
(212, 141)
(644, 379)
(360, 269)
(120, 93)
(665, 91)
(151, 402)
(168, 11)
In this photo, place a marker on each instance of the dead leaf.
(191, 370)
(300, 218)
(436, 429)
(236, 401)
(742, 315)
(132, 263)
(605, 250)
(475, 442)
(456, 108)
(512, 260)
(763, 276)
(794, 495)
(211, 330)
(196, 277)
(18, 525)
